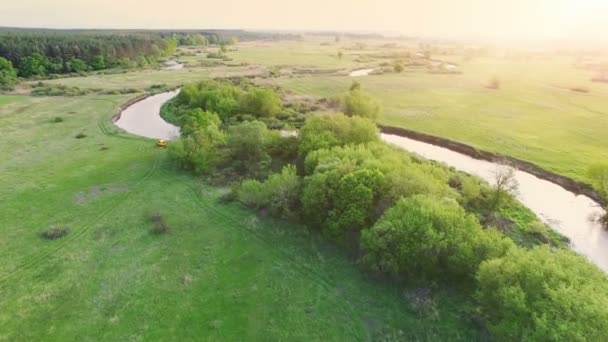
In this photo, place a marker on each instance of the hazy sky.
(509, 19)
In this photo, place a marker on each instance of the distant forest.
(40, 52)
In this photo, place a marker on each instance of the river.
(567, 213)
(143, 118)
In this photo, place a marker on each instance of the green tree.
(33, 65)
(357, 103)
(280, 193)
(340, 54)
(543, 295)
(98, 62)
(261, 102)
(8, 74)
(425, 237)
(192, 121)
(78, 65)
(398, 68)
(198, 151)
(329, 130)
(246, 144)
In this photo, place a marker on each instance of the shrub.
(159, 225)
(246, 146)
(8, 74)
(540, 294)
(55, 233)
(57, 119)
(329, 130)
(424, 238)
(81, 136)
(357, 103)
(198, 151)
(262, 102)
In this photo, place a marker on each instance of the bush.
(543, 295)
(55, 233)
(357, 103)
(246, 146)
(57, 119)
(159, 225)
(198, 151)
(81, 136)
(262, 102)
(280, 193)
(8, 74)
(426, 238)
(329, 130)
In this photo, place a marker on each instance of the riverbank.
(569, 184)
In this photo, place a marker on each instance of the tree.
(543, 295)
(193, 120)
(340, 54)
(246, 144)
(355, 86)
(198, 152)
(280, 193)
(8, 74)
(398, 68)
(78, 65)
(505, 183)
(329, 130)
(423, 237)
(98, 62)
(34, 65)
(357, 103)
(261, 102)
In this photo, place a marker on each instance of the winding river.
(567, 213)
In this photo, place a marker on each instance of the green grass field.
(533, 116)
(223, 273)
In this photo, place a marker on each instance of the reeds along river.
(564, 211)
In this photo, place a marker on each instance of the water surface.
(143, 118)
(564, 211)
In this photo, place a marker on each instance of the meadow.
(535, 115)
(222, 273)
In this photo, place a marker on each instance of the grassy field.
(534, 115)
(223, 273)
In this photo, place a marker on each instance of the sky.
(501, 19)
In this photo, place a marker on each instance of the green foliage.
(77, 65)
(246, 147)
(280, 193)
(33, 65)
(426, 237)
(261, 102)
(196, 119)
(329, 130)
(219, 97)
(358, 103)
(543, 295)
(199, 150)
(398, 68)
(8, 74)
(98, 62)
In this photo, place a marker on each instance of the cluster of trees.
(224, 126)
(42, 52)
(405, 218)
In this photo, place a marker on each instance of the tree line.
(405, 218)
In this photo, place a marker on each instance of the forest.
(37, 53)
